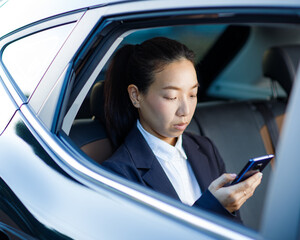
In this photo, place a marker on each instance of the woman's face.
(169, 104)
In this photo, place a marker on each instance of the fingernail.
(260, 174)
(233, 175)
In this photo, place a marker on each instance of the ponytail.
(120, 115)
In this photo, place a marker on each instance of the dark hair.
(135, 64)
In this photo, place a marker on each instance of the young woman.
(150, 98)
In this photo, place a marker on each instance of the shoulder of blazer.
(134, 153)
(204, 143)
(207, 147)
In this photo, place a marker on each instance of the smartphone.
(253, 166)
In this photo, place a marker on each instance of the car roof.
(18, 13)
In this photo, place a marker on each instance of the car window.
(27, 59)
(205, 35)
(238, 79)
(2, 2)
(199, 38)
(243, 78)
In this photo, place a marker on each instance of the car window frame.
(111, 25)
(23, 32)
(7, 67)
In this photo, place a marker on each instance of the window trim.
(106, 43)
(24, 32)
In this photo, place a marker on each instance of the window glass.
(198, 38)
(27, 59)
(243, 78)
(2, 2)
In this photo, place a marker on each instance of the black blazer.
(135, 161)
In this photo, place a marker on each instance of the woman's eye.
(171, 98)
(193, 96)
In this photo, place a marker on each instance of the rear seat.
(90, 134)
(280, 63)
(237, 129)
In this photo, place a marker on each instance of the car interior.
(242, 118)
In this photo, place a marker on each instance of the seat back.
(239, 132)
(90, 134)
(280, 63)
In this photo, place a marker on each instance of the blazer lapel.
(145, 161)
(199, 162)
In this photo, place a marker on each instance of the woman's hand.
(233, 197)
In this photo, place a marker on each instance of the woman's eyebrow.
(177, 88)
(196, 85)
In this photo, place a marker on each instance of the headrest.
(97, 101)
(280, 64)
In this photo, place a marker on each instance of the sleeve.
(208, 202)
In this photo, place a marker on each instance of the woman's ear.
(134, 95)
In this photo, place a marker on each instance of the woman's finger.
(233, 197)
(252, 182)
(221, 181)
(249, 185)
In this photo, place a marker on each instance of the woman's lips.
(180, 126)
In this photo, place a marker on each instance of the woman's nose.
(183, 108)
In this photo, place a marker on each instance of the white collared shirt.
(174, 162)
